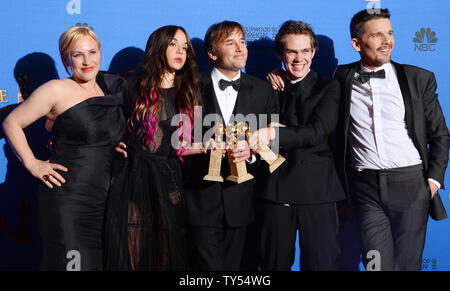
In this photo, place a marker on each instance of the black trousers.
(318, 242)
(392, 211)
(216, 248)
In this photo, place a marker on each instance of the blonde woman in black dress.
(86, 123)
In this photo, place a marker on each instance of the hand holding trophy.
(272, 159)
(238, 170)
(215, 156)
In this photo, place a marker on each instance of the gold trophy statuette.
(271, 158)
(215, 156)
(239, 170)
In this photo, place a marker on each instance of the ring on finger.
(46, 177)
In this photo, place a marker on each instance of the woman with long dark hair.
(145, 218)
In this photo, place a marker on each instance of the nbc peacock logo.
(425, 40)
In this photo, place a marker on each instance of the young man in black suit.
(218, 213)
(302, 193)
(393, 146)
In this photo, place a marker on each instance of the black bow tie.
(223, 84)
(365, 76)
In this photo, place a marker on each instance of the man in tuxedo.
(218, 213)
(392, 145)
(302, 193)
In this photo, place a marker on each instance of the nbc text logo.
(425, 40)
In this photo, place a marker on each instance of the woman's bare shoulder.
(53, 89)
(57, 85)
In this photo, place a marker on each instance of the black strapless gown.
(145, 223)
(71, 216)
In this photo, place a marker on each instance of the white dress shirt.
(379, 137)
(226, 98)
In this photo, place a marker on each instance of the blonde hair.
(69, 38)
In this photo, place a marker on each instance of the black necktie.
(365, 76)
(223, 84)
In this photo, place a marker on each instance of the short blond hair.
(69, 38)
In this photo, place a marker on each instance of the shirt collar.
(216, 75)
(386, 67)
(296, 81)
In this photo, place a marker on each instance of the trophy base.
(273, 166)
(213, 178)
(239, 179)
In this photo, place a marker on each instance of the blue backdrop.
(29, 56)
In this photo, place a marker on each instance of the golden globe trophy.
(270, 157)
(215, 156)
(238, 170)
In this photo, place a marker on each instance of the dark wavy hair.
(358, 20)
(150, 72)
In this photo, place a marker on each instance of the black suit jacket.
(218, 204)
(424, 118)
(309, 109)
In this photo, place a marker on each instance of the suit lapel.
(348, 92)
(209, 98)
(406, 94)
(243, 100)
